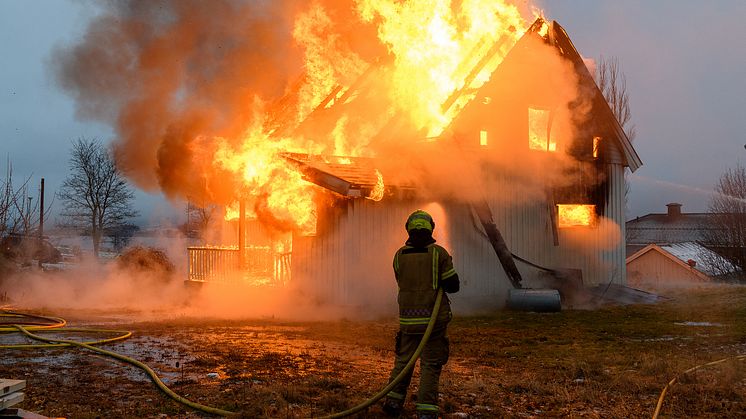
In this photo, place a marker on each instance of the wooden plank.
(10, 399)
(16, 413)
(10, 386)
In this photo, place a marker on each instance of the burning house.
(320, 125)
(525, 142)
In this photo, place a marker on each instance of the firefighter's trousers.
(432, 359)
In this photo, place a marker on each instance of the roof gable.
(523, 59)
(563, 43)
(707, 264)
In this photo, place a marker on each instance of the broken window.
(576, 215)
(596, 146)
(539, 130)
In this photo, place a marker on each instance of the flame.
(596, 146)
(436, 44)
(232, 211)
(376, 194)
(539, 136)
(440, 52)
(576, 215)
(269, 181)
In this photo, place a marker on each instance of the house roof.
(706, 263)
(348, 176)
(664, 229)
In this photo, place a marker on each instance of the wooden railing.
(213, 264)
(220, 264)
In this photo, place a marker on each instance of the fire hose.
(381, 394)
(21, 323)
(56, 324)
(659, 405)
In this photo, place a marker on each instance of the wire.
(659, 405)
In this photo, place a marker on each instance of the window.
(483, 138)
(576, 215)
(539, 135)
(596, 146)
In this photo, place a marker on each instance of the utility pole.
(41, 215)
(41, 209)
(27, 226)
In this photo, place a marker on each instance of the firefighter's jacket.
(420, 271)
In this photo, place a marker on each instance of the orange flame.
(576, 215)
(268, 179)
(376, 194)
(435, 47)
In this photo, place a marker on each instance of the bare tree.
(95, 194)
(613, 85)
(12, 204)
(199, 215)
(19, 211)
(727, 219)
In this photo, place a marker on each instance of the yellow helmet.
(420, 220)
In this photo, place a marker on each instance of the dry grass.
(607, 363)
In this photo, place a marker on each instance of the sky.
(684, 61)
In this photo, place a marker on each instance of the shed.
(677, 265)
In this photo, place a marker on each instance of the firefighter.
(421, 267)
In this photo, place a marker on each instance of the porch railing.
(223, 264)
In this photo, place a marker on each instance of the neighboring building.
(677, 265)
(674, 226)
(348, 259)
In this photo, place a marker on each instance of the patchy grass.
(610, 363)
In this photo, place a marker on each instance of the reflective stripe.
(427, 407)
(449, 273)
(395, 395)
(414, 320)
(435, 268)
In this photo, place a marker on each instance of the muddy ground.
(607, 363)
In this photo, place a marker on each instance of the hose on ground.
(53, 323)
(56, 324)
(673, 381)
(381, 394)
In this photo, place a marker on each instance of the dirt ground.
(607, 363)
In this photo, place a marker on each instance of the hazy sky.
(685, 63)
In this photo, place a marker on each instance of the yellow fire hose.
(55, 324)
(378, 396)
(20, 323)
(673, 380)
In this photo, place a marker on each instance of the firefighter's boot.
(393, 407)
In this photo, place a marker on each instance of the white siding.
(350, 261)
